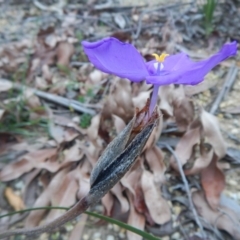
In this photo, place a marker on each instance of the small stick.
(230, 78)
(55, 99)
(186, 188)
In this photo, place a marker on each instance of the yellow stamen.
(160, 58)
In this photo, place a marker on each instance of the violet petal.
(114, 57)
(181, 70)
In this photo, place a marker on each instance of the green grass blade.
(144, 234)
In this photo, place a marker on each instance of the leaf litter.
(65, 157)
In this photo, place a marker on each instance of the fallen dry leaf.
(135, 219)
(185, 146)
(63, 195)
(117, 191)
(213, 183)
(212, 133)
(14, 200)
(154, 157)
(224, 218)
(157, 205)
(44, 199)
(64, 52)
(29, 161)
(107, 202)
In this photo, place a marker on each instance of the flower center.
(160, 58)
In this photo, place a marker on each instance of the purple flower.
(122, 59)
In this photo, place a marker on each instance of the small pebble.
(110, 237)
(85, 237)
(176, 236)
(96, 235)
(165, 238)
(116, 228)
(110, 226)
(122, 235)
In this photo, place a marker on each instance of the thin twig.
(186, 188)
(55, 99)
(230, 78)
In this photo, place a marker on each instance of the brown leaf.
(83, 177)
(185, 146)
(166, 99)
(131, 179)
(35, 217)
(200, 162)
(212, 133)
(157, 205)
(135, 219)
(225, 218)
(117, 191)
(119, 124)
(63, 195)
(201, 87)
(14, 200)
(56, 132)
(28, 162)
(154, 157)
(213, 183)
(107, 202)
(65, 50)
(140, 100)
(183, 113)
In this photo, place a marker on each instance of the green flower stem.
(144, 234)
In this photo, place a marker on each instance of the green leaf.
(144, 234)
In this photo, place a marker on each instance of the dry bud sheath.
(116, 160)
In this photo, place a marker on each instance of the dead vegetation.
(58, 114)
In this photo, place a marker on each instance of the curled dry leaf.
(135, 219)
(27, 162)
(224, 218)
(166, 100)
(185, 146)
(96, 76)
(154, 157)
(92, 130)
(201, 161)
(212, 133)
(63, 195)
(44, 199)
(119, 101)
(157, 205)
(131, 179)
(14, 200)
(56, 132)
(183, 113)
(107, 202)
(213, 183)
(83, 177)
(119, 124)
(64, 50)
(117, 191)
(140, 100)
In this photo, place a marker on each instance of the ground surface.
(39, 48)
